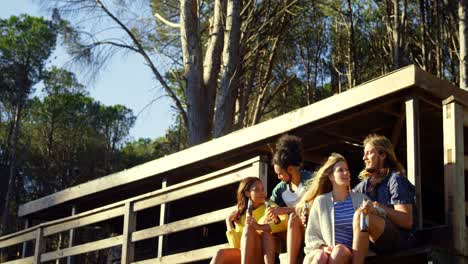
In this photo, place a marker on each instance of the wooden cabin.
(172, 210)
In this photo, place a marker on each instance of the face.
(372, 159)
(257, 193)
(282, 174)
(340, 175)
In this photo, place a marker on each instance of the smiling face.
(256, 193)
(340, 176)
(373, 161)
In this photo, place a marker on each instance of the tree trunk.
(225, 101)
(462, 5)
(422, 8)
(212, 62)
(351, 49)
(396, 34)
(197, 114)
(12, 163)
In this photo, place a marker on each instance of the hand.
(368, 207)
(379, 209)
(250, 221)
(328, 249)
(273, 212)
(234, 216)
(303, 219)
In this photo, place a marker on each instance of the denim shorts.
(393, 239)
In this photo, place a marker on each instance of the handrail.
(181, 190)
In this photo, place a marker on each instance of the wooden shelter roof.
(344, 118)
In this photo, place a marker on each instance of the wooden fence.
(128, 210)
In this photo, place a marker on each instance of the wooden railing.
(128, 210)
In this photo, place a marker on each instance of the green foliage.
(26, 41)
(145, 149)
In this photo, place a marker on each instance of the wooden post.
(162, 221)
(261, 169)
(40, 245)
(454, 177)
(24, 252)
(413, 153)
(71, 236)
(128, 248)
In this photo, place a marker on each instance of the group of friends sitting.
(319, 216)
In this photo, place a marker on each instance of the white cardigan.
(320, 225)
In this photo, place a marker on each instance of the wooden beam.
(189, 256)
(128, 247)
(28, 260)
(454, 177)
(83, 248)
(413, 153)
(398, 126)
(162, 221)
(82, 220)
(71, 235)
(194, 188)
(19, 237)
(25, 244)
(343, 137)
(39, 245)
(262, 172)
(196, 221)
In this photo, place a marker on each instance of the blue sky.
(126, 80)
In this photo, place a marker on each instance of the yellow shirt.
(259, 214)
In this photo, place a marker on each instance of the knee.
(248, 231)
(340, 251)
(219, 256)
(357, 219)
(294, 220)
(320, 257)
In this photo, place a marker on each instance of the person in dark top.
(391, 213)
(287, 162)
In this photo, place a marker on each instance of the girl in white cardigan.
(330, 232)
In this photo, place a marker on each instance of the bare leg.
(227, 256)
(294, 238)
(360, 240)
(376, 227)
(251, 246)
(319, 258)
(340, 255)
(268, 247)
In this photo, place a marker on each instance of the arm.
(402, 198)
(276, 194)
(234, 232)
(250, 221)
(401, 215)
(313, 235)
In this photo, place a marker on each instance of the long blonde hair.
(320, 183)
(383, 146)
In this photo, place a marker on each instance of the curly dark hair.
(288, 152)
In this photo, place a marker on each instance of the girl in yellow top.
(250, 236)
